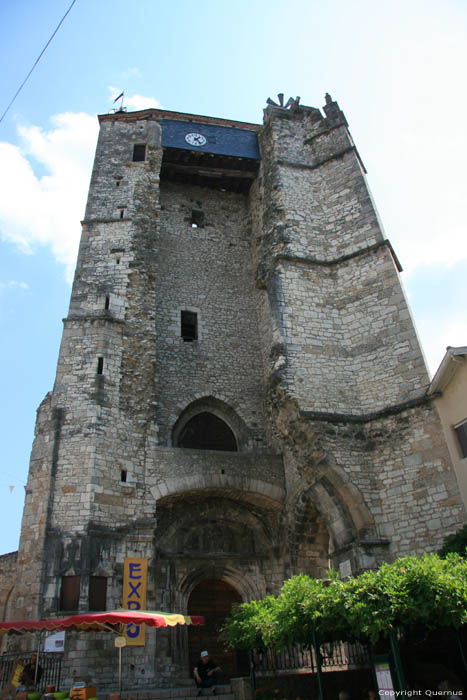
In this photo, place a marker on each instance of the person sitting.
(206, 673)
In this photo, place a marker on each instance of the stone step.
(223, 692)
(157, 696)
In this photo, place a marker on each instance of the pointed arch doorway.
(213, 598)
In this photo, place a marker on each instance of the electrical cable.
(37, 61)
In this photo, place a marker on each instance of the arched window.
(205, 431)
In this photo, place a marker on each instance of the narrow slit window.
(139, 152)
(107, 302)
(122, 213)
(123, 475)
(197, 218)
(189, 326)
(117, 261)
(100, 365)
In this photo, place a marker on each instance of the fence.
(338, 656)
(51, 665)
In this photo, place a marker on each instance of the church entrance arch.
(213, 598)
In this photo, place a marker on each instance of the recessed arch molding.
(195, 482)
(219, 410)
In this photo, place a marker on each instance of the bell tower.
(240, 393)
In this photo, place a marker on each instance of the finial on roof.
(291, 102)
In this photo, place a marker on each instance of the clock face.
(195, 139)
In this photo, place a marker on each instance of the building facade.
(240, 392)
(449, 390)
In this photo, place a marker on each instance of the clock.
(195, 139)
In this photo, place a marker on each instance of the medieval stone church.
(240, 392)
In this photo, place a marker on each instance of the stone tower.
(240, 392)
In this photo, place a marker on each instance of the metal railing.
(338, 656)
(344, 656)
(50, 663)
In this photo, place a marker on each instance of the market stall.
(114, 621)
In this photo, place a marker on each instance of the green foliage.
(307, 606)
(247, 623)
(456, 543)
(425, 590)
(412, 591)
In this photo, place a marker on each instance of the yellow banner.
(15, 678)
(135, 573)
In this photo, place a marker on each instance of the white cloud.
(44, 182)
(140, 102)
(46, 209)
(13, 284)
(130, 73)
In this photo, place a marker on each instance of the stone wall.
(347, 379)
(8, 571)
(207, 270)
(350, 343)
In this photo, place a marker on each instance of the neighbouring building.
(240, 392)
(449, 390)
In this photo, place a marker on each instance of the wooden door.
(213, 599)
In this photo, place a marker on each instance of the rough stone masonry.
(240, 392)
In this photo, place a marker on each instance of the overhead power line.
(36, 61)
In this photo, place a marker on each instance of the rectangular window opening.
(107, 302)
(139, 152)
(189, 326)
(461, 433)
(197, 218)
(122, 213)
(69, 593)
(100, 365)
(123, 475)
(98, 593)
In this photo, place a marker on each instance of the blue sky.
(397, 69)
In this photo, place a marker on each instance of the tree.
(413, 590)
(455, 543)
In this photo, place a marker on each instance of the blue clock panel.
(210, 138)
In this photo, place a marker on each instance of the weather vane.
(121, 108)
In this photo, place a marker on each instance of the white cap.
(204, 653)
